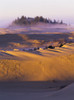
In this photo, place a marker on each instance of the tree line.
(28, 20)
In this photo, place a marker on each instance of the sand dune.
(17, 91)
(41, 65)
(40, 74)
(37, 76)
(21, 41)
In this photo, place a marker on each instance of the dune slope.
(28, 66)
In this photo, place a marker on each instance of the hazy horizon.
(53, 9)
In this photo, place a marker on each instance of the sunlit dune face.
(40, 65)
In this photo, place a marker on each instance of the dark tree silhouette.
(27, 21)
(55, 22)
(61, 22)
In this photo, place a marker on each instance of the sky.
(53, 9)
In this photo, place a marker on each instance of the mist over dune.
(38, 23)
(39, 28)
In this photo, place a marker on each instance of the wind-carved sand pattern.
(37, 66)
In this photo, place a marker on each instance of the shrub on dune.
(51, 47)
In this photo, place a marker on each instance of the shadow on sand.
(31, 86)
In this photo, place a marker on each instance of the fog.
(38, 28)
(6, 23)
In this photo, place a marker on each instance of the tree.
(27, 21)
(36, 19)
(54, 21)
(41, 19)
(61, 22)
